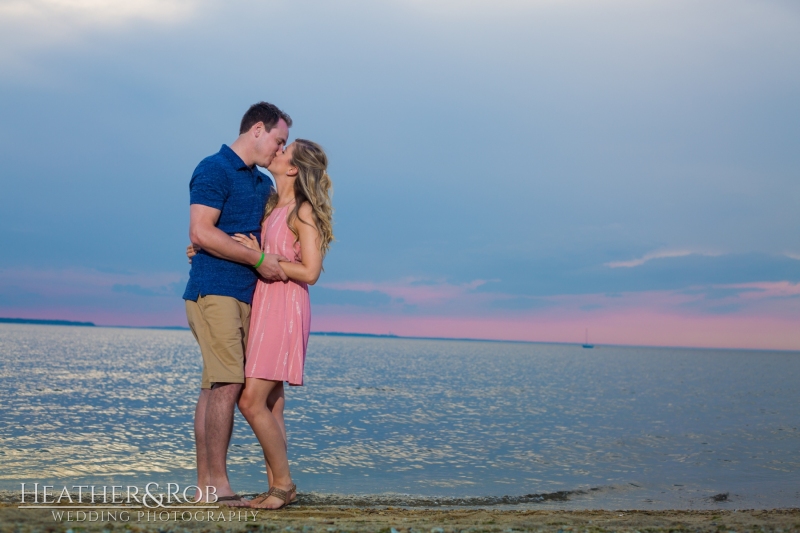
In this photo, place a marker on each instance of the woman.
(297, 224)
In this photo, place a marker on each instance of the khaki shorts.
(220, 324)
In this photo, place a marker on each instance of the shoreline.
(391, 336)
(330, 519)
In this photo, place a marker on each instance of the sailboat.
(586, 344)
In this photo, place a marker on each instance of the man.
(228, 194)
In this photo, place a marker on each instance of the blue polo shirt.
(224, 182)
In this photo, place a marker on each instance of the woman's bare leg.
(270, 434)
(275, 403)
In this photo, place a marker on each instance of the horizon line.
(72, 323)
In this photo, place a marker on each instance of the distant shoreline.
(43, 322)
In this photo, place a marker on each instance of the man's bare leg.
(203, 478)
(218, 429)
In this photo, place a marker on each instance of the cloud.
(94, 12)
(649, 257)
(173, 289)
(326, 296)
(439, 298)
(520, 302)
(766, 289)
(105, 298)
(33, 25)
(413, 291)
(760, 315)
(451, 8)
(633, 326)
(717, 292)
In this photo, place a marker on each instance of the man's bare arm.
(204, 233)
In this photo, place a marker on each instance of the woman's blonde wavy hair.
(312, 185)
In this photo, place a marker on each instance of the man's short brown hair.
(263, 112)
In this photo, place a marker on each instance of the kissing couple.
(255, 249)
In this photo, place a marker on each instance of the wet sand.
(326, 519)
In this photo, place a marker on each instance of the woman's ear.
(291, 171)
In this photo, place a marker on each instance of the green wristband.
(259, 261)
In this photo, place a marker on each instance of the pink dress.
(281, 314)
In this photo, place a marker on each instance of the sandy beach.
(323, 519)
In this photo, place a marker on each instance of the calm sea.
(419, 422)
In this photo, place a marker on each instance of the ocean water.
(386, 421)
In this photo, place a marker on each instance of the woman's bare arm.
(309, 269)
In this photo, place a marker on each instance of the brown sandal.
(278, 493)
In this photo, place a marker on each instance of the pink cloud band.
(761, 315)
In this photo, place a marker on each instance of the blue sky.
(506, 157)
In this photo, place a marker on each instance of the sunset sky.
(502, 169)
